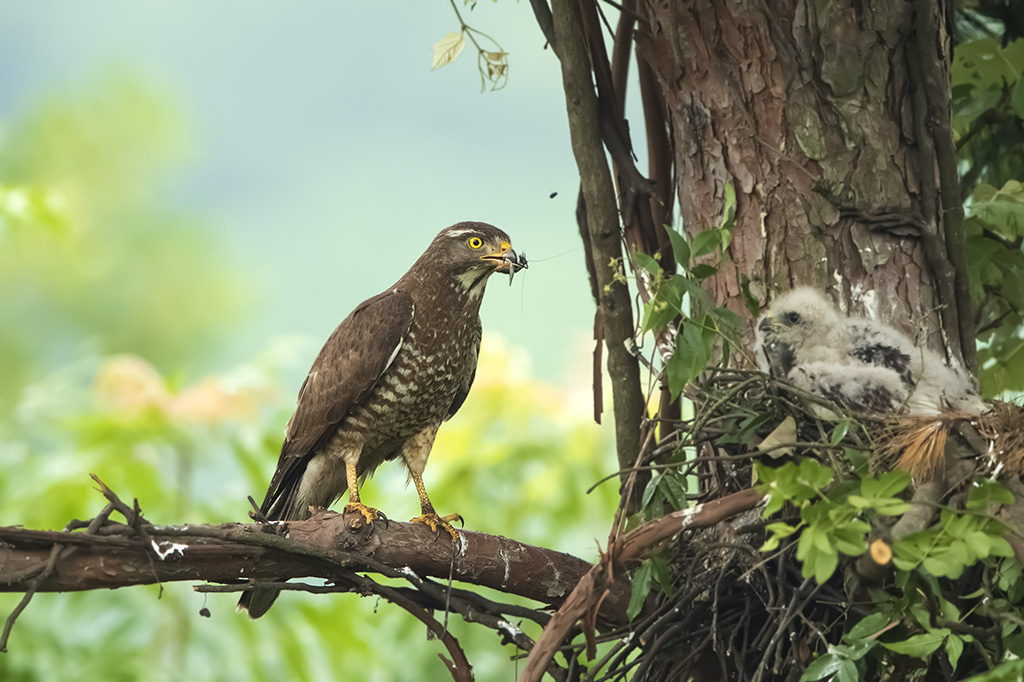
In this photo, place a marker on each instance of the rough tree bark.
(831, 122)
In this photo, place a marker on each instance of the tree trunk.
(830, 120)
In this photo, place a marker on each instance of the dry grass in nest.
(916, 445)
(1003, 427)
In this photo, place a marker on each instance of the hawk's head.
(470, 252)
(801, 317)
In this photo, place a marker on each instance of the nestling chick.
(863, 364)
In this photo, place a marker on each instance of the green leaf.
(639, 589)
(918, 646)
(729, 212)
(703, 270)
(954, 647)
(778, 530)
(652, 486)
(822, 567)
(1017, 98)
(840, 430)
(643, 260)
(665, 305)
(999, 547)
(1001, 209)
(680, 247)
(821, 667)
(706, 242)
(698, 296)
(661, 569)
(978, 543)
(851, 539)
(674, 490)
(886, 485)
(847, 672)
(859, 650)
(688, 360)
(988, 492)
(877, 494)
(815, 474)
(867, 626)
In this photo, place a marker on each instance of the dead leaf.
(448, 49)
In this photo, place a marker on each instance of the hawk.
(396, 368)
(862, 364)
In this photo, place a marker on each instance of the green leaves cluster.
(983, 75)
(832, 519)
(988, 96)
(959, 539)
(912, 615)
(994, 231)
(849, 661)
(678, 301)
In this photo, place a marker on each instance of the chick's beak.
(766, 325)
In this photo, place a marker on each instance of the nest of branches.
(721, 608)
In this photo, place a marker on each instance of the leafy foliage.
(988, 113)
(832, 519)
(911, 617)
(678, 305)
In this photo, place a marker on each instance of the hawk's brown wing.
(355, 356)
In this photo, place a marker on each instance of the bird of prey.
(862, 364)
(396, 368)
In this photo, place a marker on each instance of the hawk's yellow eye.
(475, 242)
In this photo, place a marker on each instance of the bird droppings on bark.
(554, 586)
(505, 560)
(509, 628)
(172, 549)
(686, 515)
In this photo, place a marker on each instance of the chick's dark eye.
(791, 318)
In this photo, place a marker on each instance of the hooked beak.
(508, 262)
(766, 324)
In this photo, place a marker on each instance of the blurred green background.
(191, 197)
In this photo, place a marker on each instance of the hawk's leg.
(429, 517)
(415, 452)
(354, 505)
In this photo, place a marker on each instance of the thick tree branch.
(317, 547)
(603, 227)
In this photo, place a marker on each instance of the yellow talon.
(438, 523)
(368, 513)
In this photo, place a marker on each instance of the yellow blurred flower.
(129, 385)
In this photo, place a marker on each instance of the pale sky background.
(329, 154)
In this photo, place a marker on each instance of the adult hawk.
(862, 364)
(396, 368)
